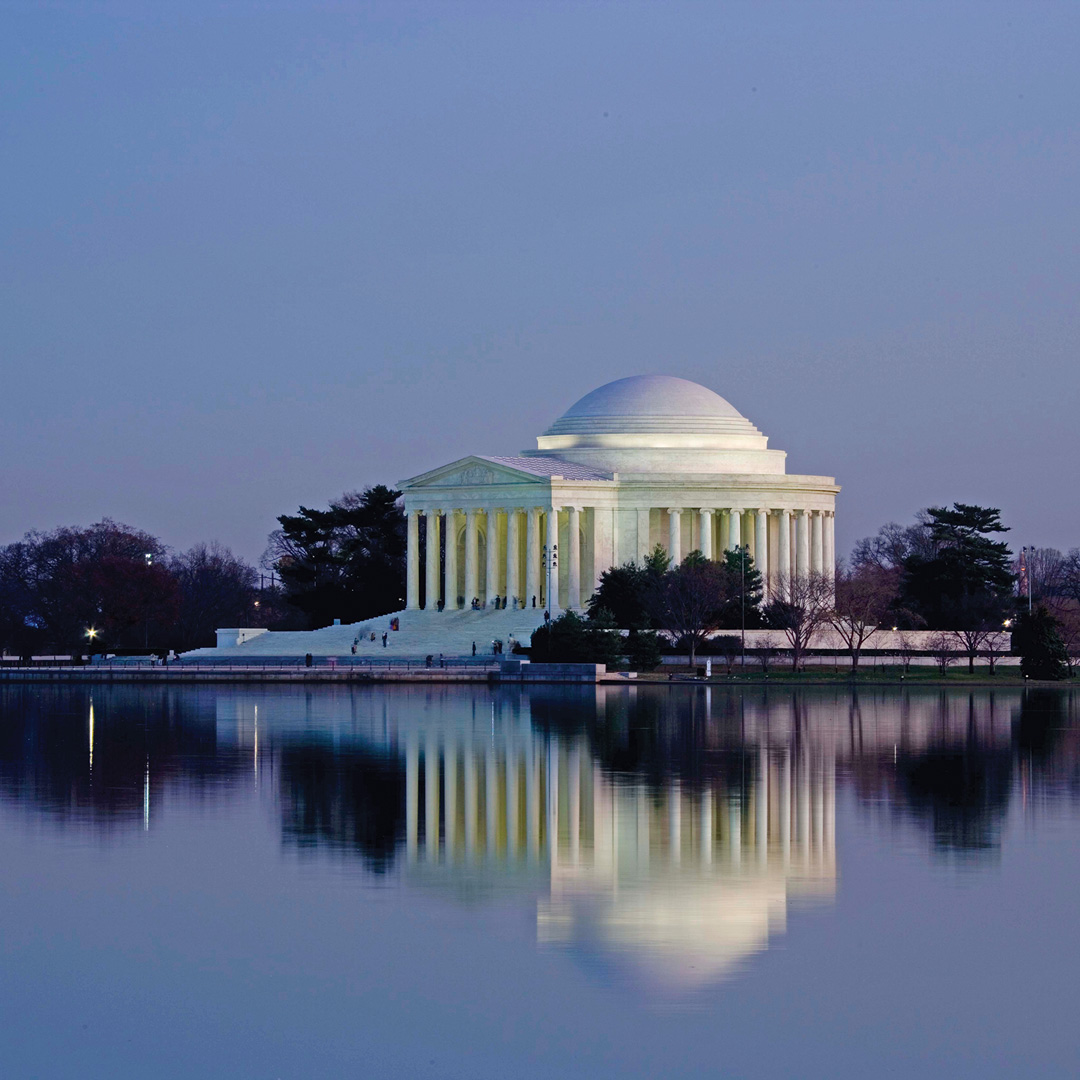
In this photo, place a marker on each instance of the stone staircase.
(420, 634)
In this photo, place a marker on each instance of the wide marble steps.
(420, 634)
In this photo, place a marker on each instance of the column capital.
(706, 510)
(675, 509)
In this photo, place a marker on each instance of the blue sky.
(256, 255)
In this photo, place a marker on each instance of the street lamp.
(551, 568)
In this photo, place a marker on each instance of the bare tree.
(1045, 568)
(906, 650)
(974, 640)
(766, 651)
(801, 607)
(996, 647)
(863, 597)
(1069, 575)
(729, 647)
(942, 645)
(1066, 610)
(217, 588)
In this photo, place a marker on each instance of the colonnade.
(521, 553)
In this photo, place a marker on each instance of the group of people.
(356, 640)
(500, 603)
(496, 647)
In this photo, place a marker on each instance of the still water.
(559, 882)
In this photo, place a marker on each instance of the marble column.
(705, 518)
(573, 578)
(472, 555)
(783, 554)
(513, 554)
(830, 545)
(802, 543)
(817, 552)
(412, 555)
(431, 598)
(450, 590)
(734, 529)
(643, 548)
(551, 600)
(491, 568)
(761, 547)
(532, 556)
(674, 547)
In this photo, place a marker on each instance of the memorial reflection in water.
(686, 879)
(659, 831)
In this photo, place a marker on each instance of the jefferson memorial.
(641, 461)
(495, 542)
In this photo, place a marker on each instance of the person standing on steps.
(474, 648)
(384, 639)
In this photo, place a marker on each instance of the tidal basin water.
(559, 882)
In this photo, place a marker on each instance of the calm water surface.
(458, 882)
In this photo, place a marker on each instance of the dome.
(658, 424)
(652, 396)
(651, 404)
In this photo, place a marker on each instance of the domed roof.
(658, 424)
(651, 396)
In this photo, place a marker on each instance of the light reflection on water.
(660, 837)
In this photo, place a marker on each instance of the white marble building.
(646, 460)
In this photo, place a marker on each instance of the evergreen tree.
(745, 591)
(570, 639)
(624, 592)
(963, 578)
(347, 562)
(1042, 652)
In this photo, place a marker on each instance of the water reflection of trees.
(350, 800)
(103, 755)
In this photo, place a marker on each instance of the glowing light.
(91, 633)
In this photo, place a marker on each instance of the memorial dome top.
(658, 424)
(651, 396)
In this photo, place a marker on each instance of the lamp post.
(551, 571)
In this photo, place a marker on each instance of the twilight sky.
(255, 255)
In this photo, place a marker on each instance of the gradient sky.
(255, 255)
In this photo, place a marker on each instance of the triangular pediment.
(470, 472)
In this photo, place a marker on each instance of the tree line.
(109, 587)
(948, 572)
